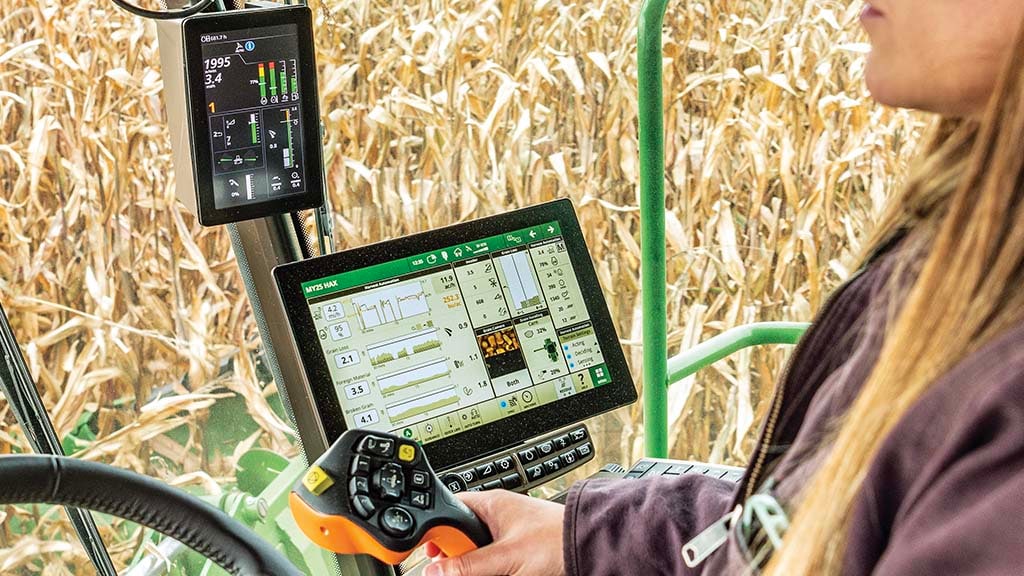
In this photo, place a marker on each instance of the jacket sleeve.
(615, 527)
(970, 521)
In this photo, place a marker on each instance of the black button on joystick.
(363, 506)
(420, 479)
(396, 521)
(420, 499)
(360, 466)
(358, 485)
(390, 481)
(383, 447)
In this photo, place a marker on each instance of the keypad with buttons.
(657, 467)
(523, 468)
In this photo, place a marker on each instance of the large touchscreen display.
(442, 342)
(254, 107)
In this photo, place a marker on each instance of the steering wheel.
(58, 480)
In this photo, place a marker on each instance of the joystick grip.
(374, 493)
(466, 523)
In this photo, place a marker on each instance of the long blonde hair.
(965, 200)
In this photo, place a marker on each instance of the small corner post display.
(254, 113)
(467, 339)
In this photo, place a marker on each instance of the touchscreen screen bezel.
(194, 29)
(494, 436)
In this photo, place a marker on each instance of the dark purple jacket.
(945, 495)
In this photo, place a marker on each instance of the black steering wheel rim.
(58, 480)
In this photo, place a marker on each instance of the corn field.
(436, 111)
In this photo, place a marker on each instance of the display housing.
(254, 113)
(467, 339)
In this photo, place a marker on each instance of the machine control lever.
(375, 493)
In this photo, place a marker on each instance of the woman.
(895, 442)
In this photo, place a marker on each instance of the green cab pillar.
(652, 228)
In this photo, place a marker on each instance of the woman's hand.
(527, 535)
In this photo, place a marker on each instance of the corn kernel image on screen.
(442, 342)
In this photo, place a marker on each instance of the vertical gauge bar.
(250, 192)
(295, 79)
(255, 126)
(263, 82)
(288, 128)
(284, 78)
(273, 80)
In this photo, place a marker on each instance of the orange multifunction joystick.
(375, 493)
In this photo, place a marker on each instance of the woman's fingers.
(527, 538)
(483, 503)
(433, 550)
(482, 562)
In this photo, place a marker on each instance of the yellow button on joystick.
(406, 452)
(317, 481)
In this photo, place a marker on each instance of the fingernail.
(434, 569)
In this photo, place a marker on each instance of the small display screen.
(442, 342)
(254, 101)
